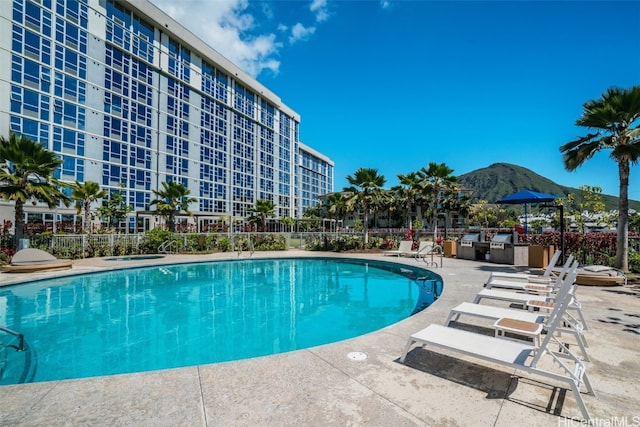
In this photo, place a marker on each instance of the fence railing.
(89, 245)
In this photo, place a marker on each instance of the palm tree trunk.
(366, 228)
(19, 221)
(172, 223)
(622, 249)
(435, 223)
(87, 217)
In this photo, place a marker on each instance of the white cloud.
(385, 4)
(300, 32)
(236, 29)
(226, 26)
(319, 7)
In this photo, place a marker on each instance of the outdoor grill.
(500, 240)
(472, 246)
(468, 239)
(504, 249)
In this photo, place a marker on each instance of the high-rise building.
(315, 177)
(129, 98)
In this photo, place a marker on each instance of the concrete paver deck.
(322, 386)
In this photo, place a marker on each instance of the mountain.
(501, 179)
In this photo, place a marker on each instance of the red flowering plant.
(388, 243)
(5, 255)
(588, 248)
(411, 235)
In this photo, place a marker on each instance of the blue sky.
(394, 85)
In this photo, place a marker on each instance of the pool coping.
(322, 386)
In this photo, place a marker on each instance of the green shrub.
(271, 242)
(224, 245)
(154, 238)
(634, 262)
(343, 242)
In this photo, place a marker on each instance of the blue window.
(68, 166)
(32, 14)
(32, 44)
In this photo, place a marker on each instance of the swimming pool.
(134, 257)
(190, 314)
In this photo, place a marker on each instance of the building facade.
(129, 98)
(315, 178)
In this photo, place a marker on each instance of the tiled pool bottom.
(323, 386)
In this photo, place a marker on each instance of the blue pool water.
(189, 314)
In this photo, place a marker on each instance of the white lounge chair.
(541, 318)
(429, 250)
(524, 293)
(548, 272)
(424, 248)
(404, 247)
(532, 283)
(515, 355)
(540, 299)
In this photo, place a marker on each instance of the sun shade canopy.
(527, 196)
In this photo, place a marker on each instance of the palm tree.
(407, 193)
(173, 199)
(115, 208)
(614, 118)
(288, 222)
(84, 194)
(435, 179)
(364, 193)
(26, 174)
(262, 210)
(336, 206)
(454, 202)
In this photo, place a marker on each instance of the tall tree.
(366, 185)
(115, 208)
(614, 119)
(288, 222)
(173, 199)
(590, 208)
(436, 178)
(85, 194)
(26, 174)
(336, 206)
(262, 210)
(453, 201)
(408, 193)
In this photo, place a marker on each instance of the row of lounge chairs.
(532, 339)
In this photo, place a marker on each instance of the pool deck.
(321, 386)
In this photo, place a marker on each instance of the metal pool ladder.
(18, 347)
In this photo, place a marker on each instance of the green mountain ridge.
(502, 179)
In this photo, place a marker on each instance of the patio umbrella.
(525, 197)
(528, 196)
